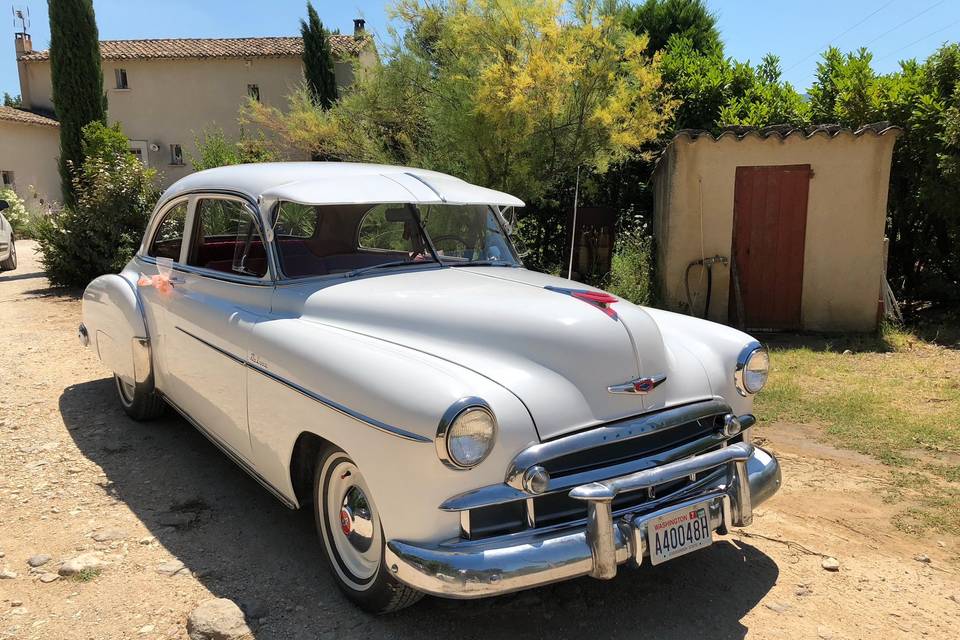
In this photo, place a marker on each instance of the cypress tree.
(318, 60)
(78, 95)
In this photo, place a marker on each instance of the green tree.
(12, 101)
(215, 150)
(846, 89)
(766, 99)
(661, 19)
(318, 60)
(101, 231)
(77, 77)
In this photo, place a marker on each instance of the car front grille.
(558, 508)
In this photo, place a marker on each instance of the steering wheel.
(459, 240)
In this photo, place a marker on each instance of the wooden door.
(769, 227)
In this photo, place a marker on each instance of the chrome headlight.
(753, 367)
(466, 433)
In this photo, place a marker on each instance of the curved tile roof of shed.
(783, 131)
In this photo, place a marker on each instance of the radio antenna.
(23, 15)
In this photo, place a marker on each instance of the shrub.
(102, 231)
(631, 274)
(215, 150)
(17, 215)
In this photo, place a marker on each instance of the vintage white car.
(8, 249)
(365, 339)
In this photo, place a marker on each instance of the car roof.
(339, 183)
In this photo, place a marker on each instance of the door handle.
(176, 280)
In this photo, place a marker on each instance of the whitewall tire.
(353, 542)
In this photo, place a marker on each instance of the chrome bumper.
(475, 569)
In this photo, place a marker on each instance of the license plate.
(678, 532)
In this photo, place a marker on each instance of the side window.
(227, 239)
(169, 235)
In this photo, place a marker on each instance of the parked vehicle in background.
(364, 339)
(8, 248)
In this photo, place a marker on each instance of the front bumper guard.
(475, 569)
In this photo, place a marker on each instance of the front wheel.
(139, 403)
(349, 525)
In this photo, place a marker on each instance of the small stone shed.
(789, 223)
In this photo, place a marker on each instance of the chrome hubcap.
(352, 521)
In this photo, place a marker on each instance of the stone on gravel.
(38, 560)
(77, 564)
(217, 619)
(6, 574)
(16, 603)
(778, 607)
(171, 567)
(147, 540)
(106, 535)
(922, 557)
(830, 564)
(49, 577)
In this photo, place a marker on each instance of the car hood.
(556, 353)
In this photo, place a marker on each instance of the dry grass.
(896, 397)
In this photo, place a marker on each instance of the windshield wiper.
(394, 263)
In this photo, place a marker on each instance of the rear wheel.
(349, 525)
(11, 262)
(139, 403)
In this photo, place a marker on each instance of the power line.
(907, 21)
(929, 35)
(837, 37)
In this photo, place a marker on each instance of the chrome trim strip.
(424, 183)
(211, 345)
(620, 430)
(240, 462)
(339, 408)
(336, 406)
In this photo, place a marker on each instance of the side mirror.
(4, 205)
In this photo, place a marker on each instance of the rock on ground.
(75, 565)
(217, 619)
(38, 560)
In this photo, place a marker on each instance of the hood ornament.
(599, 299)
(640, 386)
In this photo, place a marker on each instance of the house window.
(176, 154)
(7, 178)
(121, 75)
(253, 91)
(139, 149)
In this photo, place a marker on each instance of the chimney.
(358, 27)
(23, 43)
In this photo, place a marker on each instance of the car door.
(5, 234)
(220, 290)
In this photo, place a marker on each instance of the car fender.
(114, 325)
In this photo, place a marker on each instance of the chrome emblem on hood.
(640, 385)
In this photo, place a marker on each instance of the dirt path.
(74, 469)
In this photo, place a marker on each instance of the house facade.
(165, 93)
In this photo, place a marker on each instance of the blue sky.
(796, 30)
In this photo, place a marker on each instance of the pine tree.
(78, 95)
(318, 60)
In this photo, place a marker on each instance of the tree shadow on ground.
(244, 545)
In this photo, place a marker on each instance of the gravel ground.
(172, 522)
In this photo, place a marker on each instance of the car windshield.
(314, 240)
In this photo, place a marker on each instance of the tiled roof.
(342, 46)
(19, 115)
(786, 130)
